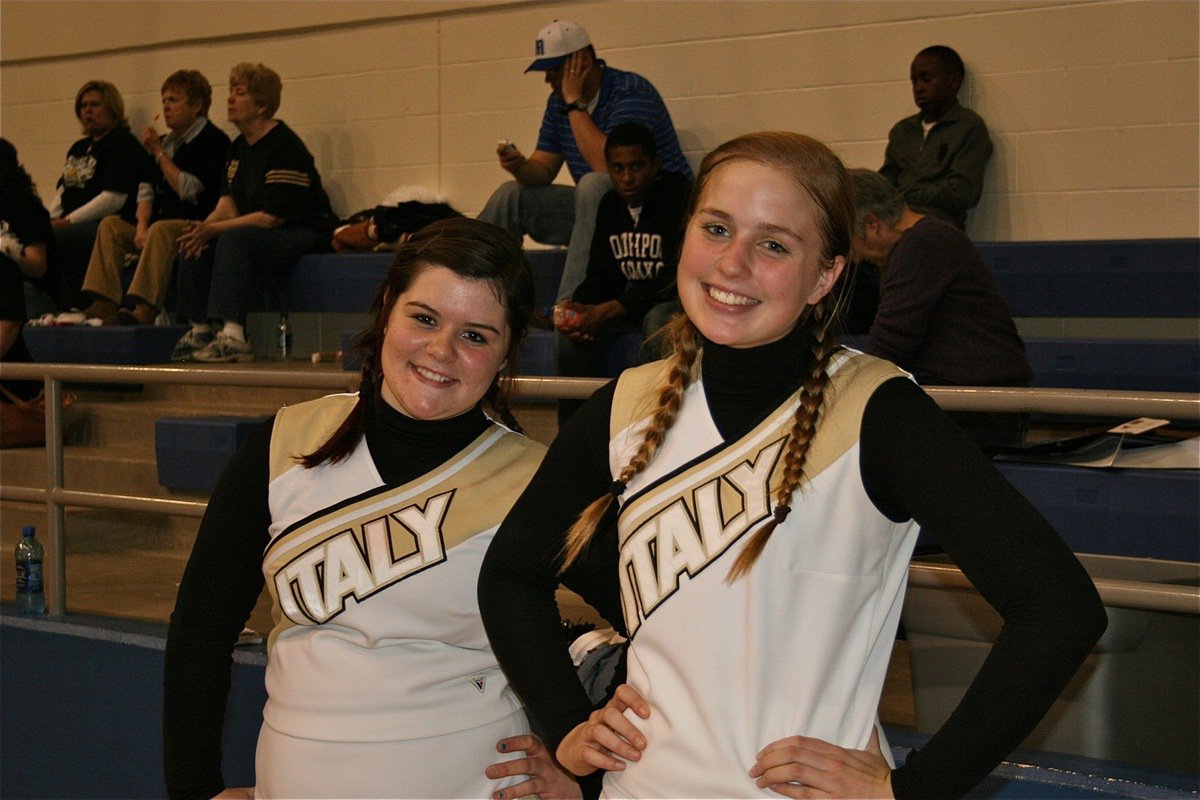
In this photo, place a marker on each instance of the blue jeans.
(217, 285)
(552, 214)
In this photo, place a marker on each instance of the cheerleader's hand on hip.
(608, 739)
(543, 778)
(800, 766)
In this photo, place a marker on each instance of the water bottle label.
(29, 577)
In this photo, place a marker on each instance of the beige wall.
(1092, 105)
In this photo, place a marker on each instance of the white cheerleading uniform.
(800, 644)
(377, 648)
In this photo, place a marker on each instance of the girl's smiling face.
(751, 259)
(444, 344)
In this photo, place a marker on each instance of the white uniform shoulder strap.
(302, 428)
(853, 378)
(636, 398)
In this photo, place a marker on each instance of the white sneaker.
(224, 349)
(189, 343)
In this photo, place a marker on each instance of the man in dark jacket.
(941, 315)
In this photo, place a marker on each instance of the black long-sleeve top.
(223, 580)
(915, 463)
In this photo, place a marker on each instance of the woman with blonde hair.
(769, 487)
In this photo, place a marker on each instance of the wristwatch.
(578, 105)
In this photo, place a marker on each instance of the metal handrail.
(1088, 402)
(1183, 406)
(1146, 595)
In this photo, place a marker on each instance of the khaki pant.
(114, 240)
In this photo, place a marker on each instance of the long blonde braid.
(685, 345)
(804, 427)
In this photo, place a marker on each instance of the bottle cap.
(27, 530)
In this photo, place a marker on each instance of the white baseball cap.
(555, 42)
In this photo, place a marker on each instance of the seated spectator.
(188, 162)
(25, 239)
(941, 315)
(936, 157)
(272, 211)
(100, 177)
(588, 100)
(630, 281)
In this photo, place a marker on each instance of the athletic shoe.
(189, 343)
(223, 349)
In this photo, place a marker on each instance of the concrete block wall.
(1093, 105)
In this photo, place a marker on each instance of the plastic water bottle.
(31, 595)
(283, 338)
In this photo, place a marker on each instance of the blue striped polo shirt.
(624, 97)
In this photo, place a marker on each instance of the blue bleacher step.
(1154, 278)
(193, 451)
(348, 282)
(1141, 513)
(110, 344)
(1144, 365)
(1147, 365)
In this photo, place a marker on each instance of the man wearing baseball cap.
(588, 99)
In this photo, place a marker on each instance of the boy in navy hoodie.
(630, 282)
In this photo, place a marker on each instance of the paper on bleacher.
(1112, 450)
(1184, 454)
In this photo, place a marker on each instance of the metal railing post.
(56, 557)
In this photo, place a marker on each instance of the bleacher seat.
(111, 344)
(1154, 278)
(1157, 278)
(192, 451)
(347, 282)
(333, 282)
(1150, 365)
(536, 356)
(1145, 513)
(1141, 278)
